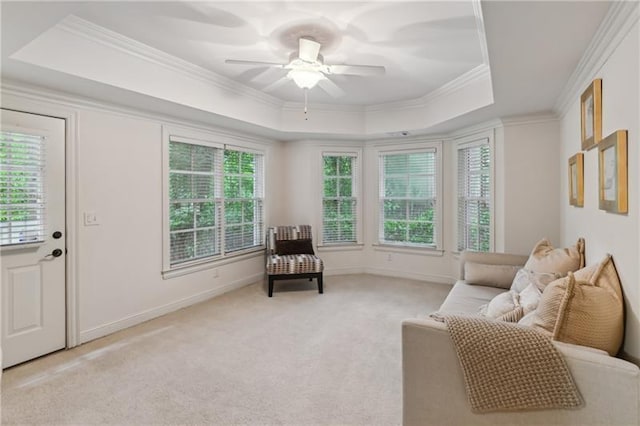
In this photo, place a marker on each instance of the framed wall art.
(576, 180)
(591, 115)
(612, 172)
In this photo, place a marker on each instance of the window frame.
(419, 147)
(222, 142)
(486, 138)
(356, 191)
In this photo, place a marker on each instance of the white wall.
(117, 173)
(605, 232)
(117, 161)
(526, 197)
(530, 183)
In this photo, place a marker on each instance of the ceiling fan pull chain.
(305, 104)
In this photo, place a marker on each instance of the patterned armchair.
(290, 255)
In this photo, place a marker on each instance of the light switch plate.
(90, 219)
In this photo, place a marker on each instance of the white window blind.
(243, 202)
(216, 202)
(408, 198)
(22, 191)
(339, 201)
(474, 196)
(195, 201)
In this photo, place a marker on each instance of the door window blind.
(22, 189)
(339, 202)
(474, 197)
(408, 198)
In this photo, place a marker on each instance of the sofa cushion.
(584, 312)
(545, 258)
(524, 277)
(465, 298)
(492, 275)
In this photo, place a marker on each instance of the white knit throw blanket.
(508, 367)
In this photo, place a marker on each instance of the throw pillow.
(530, 298)
(490, 275)
(285, 247)
(545, 258)
(587, 313)
(511, 306)
(524, 277)
(505, 306)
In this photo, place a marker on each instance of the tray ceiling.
(423, 45)
(443, 59)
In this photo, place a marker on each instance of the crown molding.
(73, 102)
(474, 75)
(482, 36)
(620, 18)
(97, 34)
(520, 120)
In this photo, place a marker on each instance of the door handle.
(54, 253)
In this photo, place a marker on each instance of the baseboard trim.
(121, 324)
(343, 271)
(410, 275)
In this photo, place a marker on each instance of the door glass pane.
(22, 198)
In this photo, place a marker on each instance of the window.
(243, 200)
(215, 201)
(339, 201)
(21, 188)
(408, 198)
(474, 196)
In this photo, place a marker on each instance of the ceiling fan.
(307, 69)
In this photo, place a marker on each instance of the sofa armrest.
(490, 258)
(434, 391)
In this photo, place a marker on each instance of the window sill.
(179, 271)
(426, 251)
(341, 247)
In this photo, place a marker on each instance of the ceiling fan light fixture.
(305, 79)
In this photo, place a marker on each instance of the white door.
(32, 235)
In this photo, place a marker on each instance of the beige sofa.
(434, 390)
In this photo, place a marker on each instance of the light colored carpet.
(242, 358)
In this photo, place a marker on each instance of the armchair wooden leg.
(320, 289)
(270, 286)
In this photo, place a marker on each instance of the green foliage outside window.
(195, 212)
(408, 201)
(339, 203)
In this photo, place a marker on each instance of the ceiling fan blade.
(253, 63)
(356, 69)
(331, 88)
(276, 84)
(308, 50)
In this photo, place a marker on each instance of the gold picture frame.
(576, 180)
(591, 115)
(612, 173)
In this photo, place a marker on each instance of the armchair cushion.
(294, 264)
